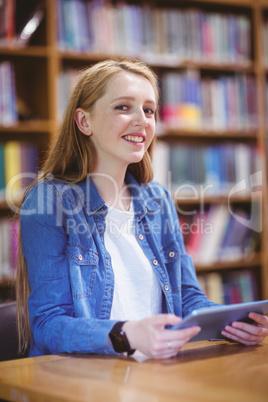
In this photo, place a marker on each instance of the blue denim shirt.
(70, 272)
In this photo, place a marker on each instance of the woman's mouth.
(134, 138)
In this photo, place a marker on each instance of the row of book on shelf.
(8, 247)
(214, 103)
(217, 169)
(220, 233)
(143, 30)
(18, 167)
(229, 287)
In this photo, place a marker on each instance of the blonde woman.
(102, 264)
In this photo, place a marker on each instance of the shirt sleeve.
(55, 329)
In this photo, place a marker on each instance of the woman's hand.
(248, 334)
(150, 336)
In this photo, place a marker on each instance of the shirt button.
(80, 257)
(155, 262)
(141, 237)
(171, 254)
(166, 287)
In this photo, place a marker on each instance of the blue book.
(62, 42)
(68, 24)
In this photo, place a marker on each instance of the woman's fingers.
(170, 342)
(259, 319)
(161, 320)
(248, 334)
(151, 337)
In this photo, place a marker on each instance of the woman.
(102, 260)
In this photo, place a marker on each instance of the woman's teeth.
(133, 138)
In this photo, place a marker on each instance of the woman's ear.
(82, 121)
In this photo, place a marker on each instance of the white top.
(137, 292)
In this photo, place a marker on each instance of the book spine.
(2, 172)
(10, 22)
(12, 169)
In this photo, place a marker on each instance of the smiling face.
(122, 122)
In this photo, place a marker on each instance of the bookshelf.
(54, 53)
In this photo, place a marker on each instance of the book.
(211, 241)
(8, 99)
(12, 170)
(229, 287)
(2, 171)
(5, 248)
(20, 162)
(214, 287)
(8, 247)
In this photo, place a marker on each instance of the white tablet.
(213, 320)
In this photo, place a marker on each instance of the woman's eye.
(149, 111)
(122, 107)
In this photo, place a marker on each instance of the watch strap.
(119, 339)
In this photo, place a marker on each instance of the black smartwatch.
(119, 339)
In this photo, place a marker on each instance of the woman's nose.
(140, 119)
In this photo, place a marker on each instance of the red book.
(10, 21)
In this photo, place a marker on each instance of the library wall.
(212, 145)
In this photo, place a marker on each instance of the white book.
(217, 104)
(6, 89)
(161, 162)
(5, 239)
(242, 166)
(215, 291)
(216, 222)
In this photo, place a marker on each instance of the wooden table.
(203, 371)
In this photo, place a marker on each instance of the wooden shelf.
(34, 51)
(247, 134)
(248, 261)
(4, 205)
(84, 56)
(31, 126)
(246, 67)
(254, 197)
(8, 281)
(241, 3)
(163, 61)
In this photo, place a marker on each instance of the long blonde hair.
(73, 156)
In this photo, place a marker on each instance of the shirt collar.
(142, 200)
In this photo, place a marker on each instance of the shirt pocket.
(171, 257)
(83, 266)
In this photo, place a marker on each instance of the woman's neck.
(112, 188)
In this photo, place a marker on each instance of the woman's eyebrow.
(132, 98)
